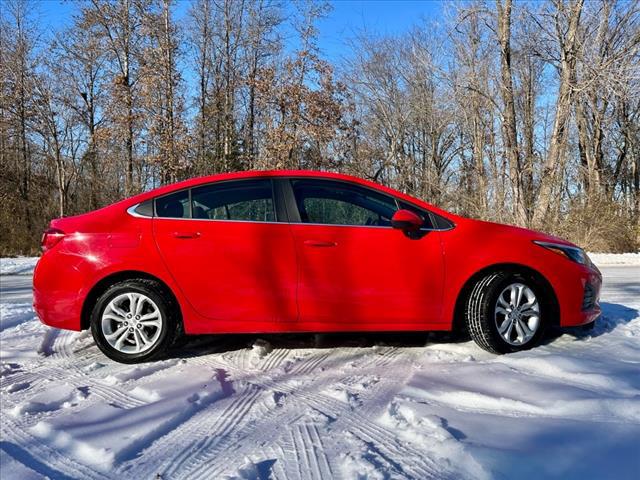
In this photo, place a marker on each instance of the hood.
(500, 229)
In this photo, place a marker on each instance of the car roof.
(203, 180)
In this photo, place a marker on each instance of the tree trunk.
(555, 157)
(509, 127)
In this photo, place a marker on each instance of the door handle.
(186, 234)
(319, 243)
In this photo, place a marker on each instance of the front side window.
(336, 203)
(246, 200)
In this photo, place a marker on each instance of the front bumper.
(585, 308)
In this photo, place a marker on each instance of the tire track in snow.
(202, 463)
(63, 353)
(309, 450)
(107, 393)
(78, 379)
(414, 463)
(207, 451)
(200, 427)
(385, 441)
(275, 358)
(361, 425)
(308, 367)
(242, 444)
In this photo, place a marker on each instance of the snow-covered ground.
(333, 406)
(17, 265)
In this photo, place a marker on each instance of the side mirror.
(407, 221)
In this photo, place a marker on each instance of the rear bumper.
(57, 292)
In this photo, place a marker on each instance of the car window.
(247, 200)
(174, 205)
(338, 203)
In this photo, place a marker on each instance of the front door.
(228, 253)
(355, 270)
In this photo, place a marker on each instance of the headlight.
(574, 254)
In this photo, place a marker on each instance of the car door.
(231, 257)
(355, 270)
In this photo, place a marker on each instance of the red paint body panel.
(232, 271)
(241, 277)
(372, 277)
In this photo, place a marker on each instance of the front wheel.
(134, 321)
(506, 312)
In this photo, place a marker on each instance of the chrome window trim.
(132, 211)
(219, 220)
(389, 227)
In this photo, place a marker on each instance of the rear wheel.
(506, 312)
(134, 321)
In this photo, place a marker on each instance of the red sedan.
(299, 251)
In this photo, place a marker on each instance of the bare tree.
(18, 39)
(80, 68)
(566, 20)
(121, 23)
(509, 125)
(161, 95)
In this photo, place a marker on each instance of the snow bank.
(18, 265)
(607, 259)
(13, 314)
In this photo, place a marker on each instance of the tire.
(126, 337)
(486, 310)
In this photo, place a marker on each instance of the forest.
(525, 113)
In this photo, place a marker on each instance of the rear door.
(355, 270)
(229, 253)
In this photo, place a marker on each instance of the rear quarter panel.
(96, 246)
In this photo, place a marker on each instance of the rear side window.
(174, 205)
(145, 209)
(246, 200)
(337, 203)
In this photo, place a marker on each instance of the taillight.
(50, 238)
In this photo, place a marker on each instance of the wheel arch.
(541, 281)
(103, 285)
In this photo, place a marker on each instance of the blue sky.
(347, 18)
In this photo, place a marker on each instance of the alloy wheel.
(517, 314)
(132, 323)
